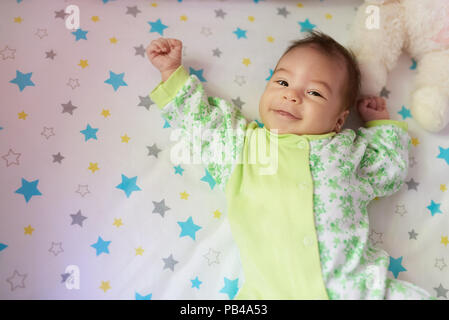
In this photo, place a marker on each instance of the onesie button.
(308, 242)
(302, 144)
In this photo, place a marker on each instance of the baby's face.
(308, 85)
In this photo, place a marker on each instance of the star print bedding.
(91, 205)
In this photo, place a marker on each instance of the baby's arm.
(185, 105)
(384, 164)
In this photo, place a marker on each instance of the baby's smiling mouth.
(285, 114)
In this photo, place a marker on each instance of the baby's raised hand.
(165, 54)
(372, 108)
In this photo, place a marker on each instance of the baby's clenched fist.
(372, 108)
(165, 54)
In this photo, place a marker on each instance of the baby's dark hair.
(332, 48)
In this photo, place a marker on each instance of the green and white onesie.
(297, 204)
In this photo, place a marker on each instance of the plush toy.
(383, 29)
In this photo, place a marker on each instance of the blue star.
(106, 1)
(179, 170)
(271, 74)
(306, 25)
(29, 189)
(230, 288)
(128, 185)
(434, 208)
(2, 246)
(80, 34)
(116, 80)
(147, 297)
(188, 228)
(22, 80)
(209, 179)
(198, 73)
(405, 113)
(396, 266)
(240, 33)
(260, 124)
(101, 246)
(413, 67)
(444, 154)
(166, 124)
(157, 27)
(89, 133)
(196, 283)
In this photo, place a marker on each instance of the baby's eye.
(282, 81)
(319, 95)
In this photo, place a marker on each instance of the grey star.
(219, 13)
(56, 248)
(82, 190)
(153, 150)
(60, 14)
(376, 237)
(133, 10)
(145, 101)
(283, 12)
(78, 218)
(14, 280)
(240, 80)
(160, 207)
(212, 255)
(238, 103)
(57, 157)
(48, 132)
(169, 262)
(73, 83)
(412, 234)
(68, 107)
(440, 264)
(217, 52)
(50, 54)
(412, 184)
(400, 209)
(140, 50)
(64, 277)
(384, 92)
(441, 291)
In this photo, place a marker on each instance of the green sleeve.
(166, 91)
(401, 124)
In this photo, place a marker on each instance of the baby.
(302, 230)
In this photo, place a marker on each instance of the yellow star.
(246, 61)
(300, 5)
(118, 222)
(113, 40)
(139, 251)
(29, 230)
(105, 113)
(444, 240)
(18, 19)
(183, 18)
(415, 141)
(443, 187)
(184, 195)
(93, 167)
(328, 16)
(95, 19)
(217, 214)
(376, 198)
(125, 138)
(270, 39)
(83, 63)
(154, 4)
(251, 18)
(22, 115)
(105, 286)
